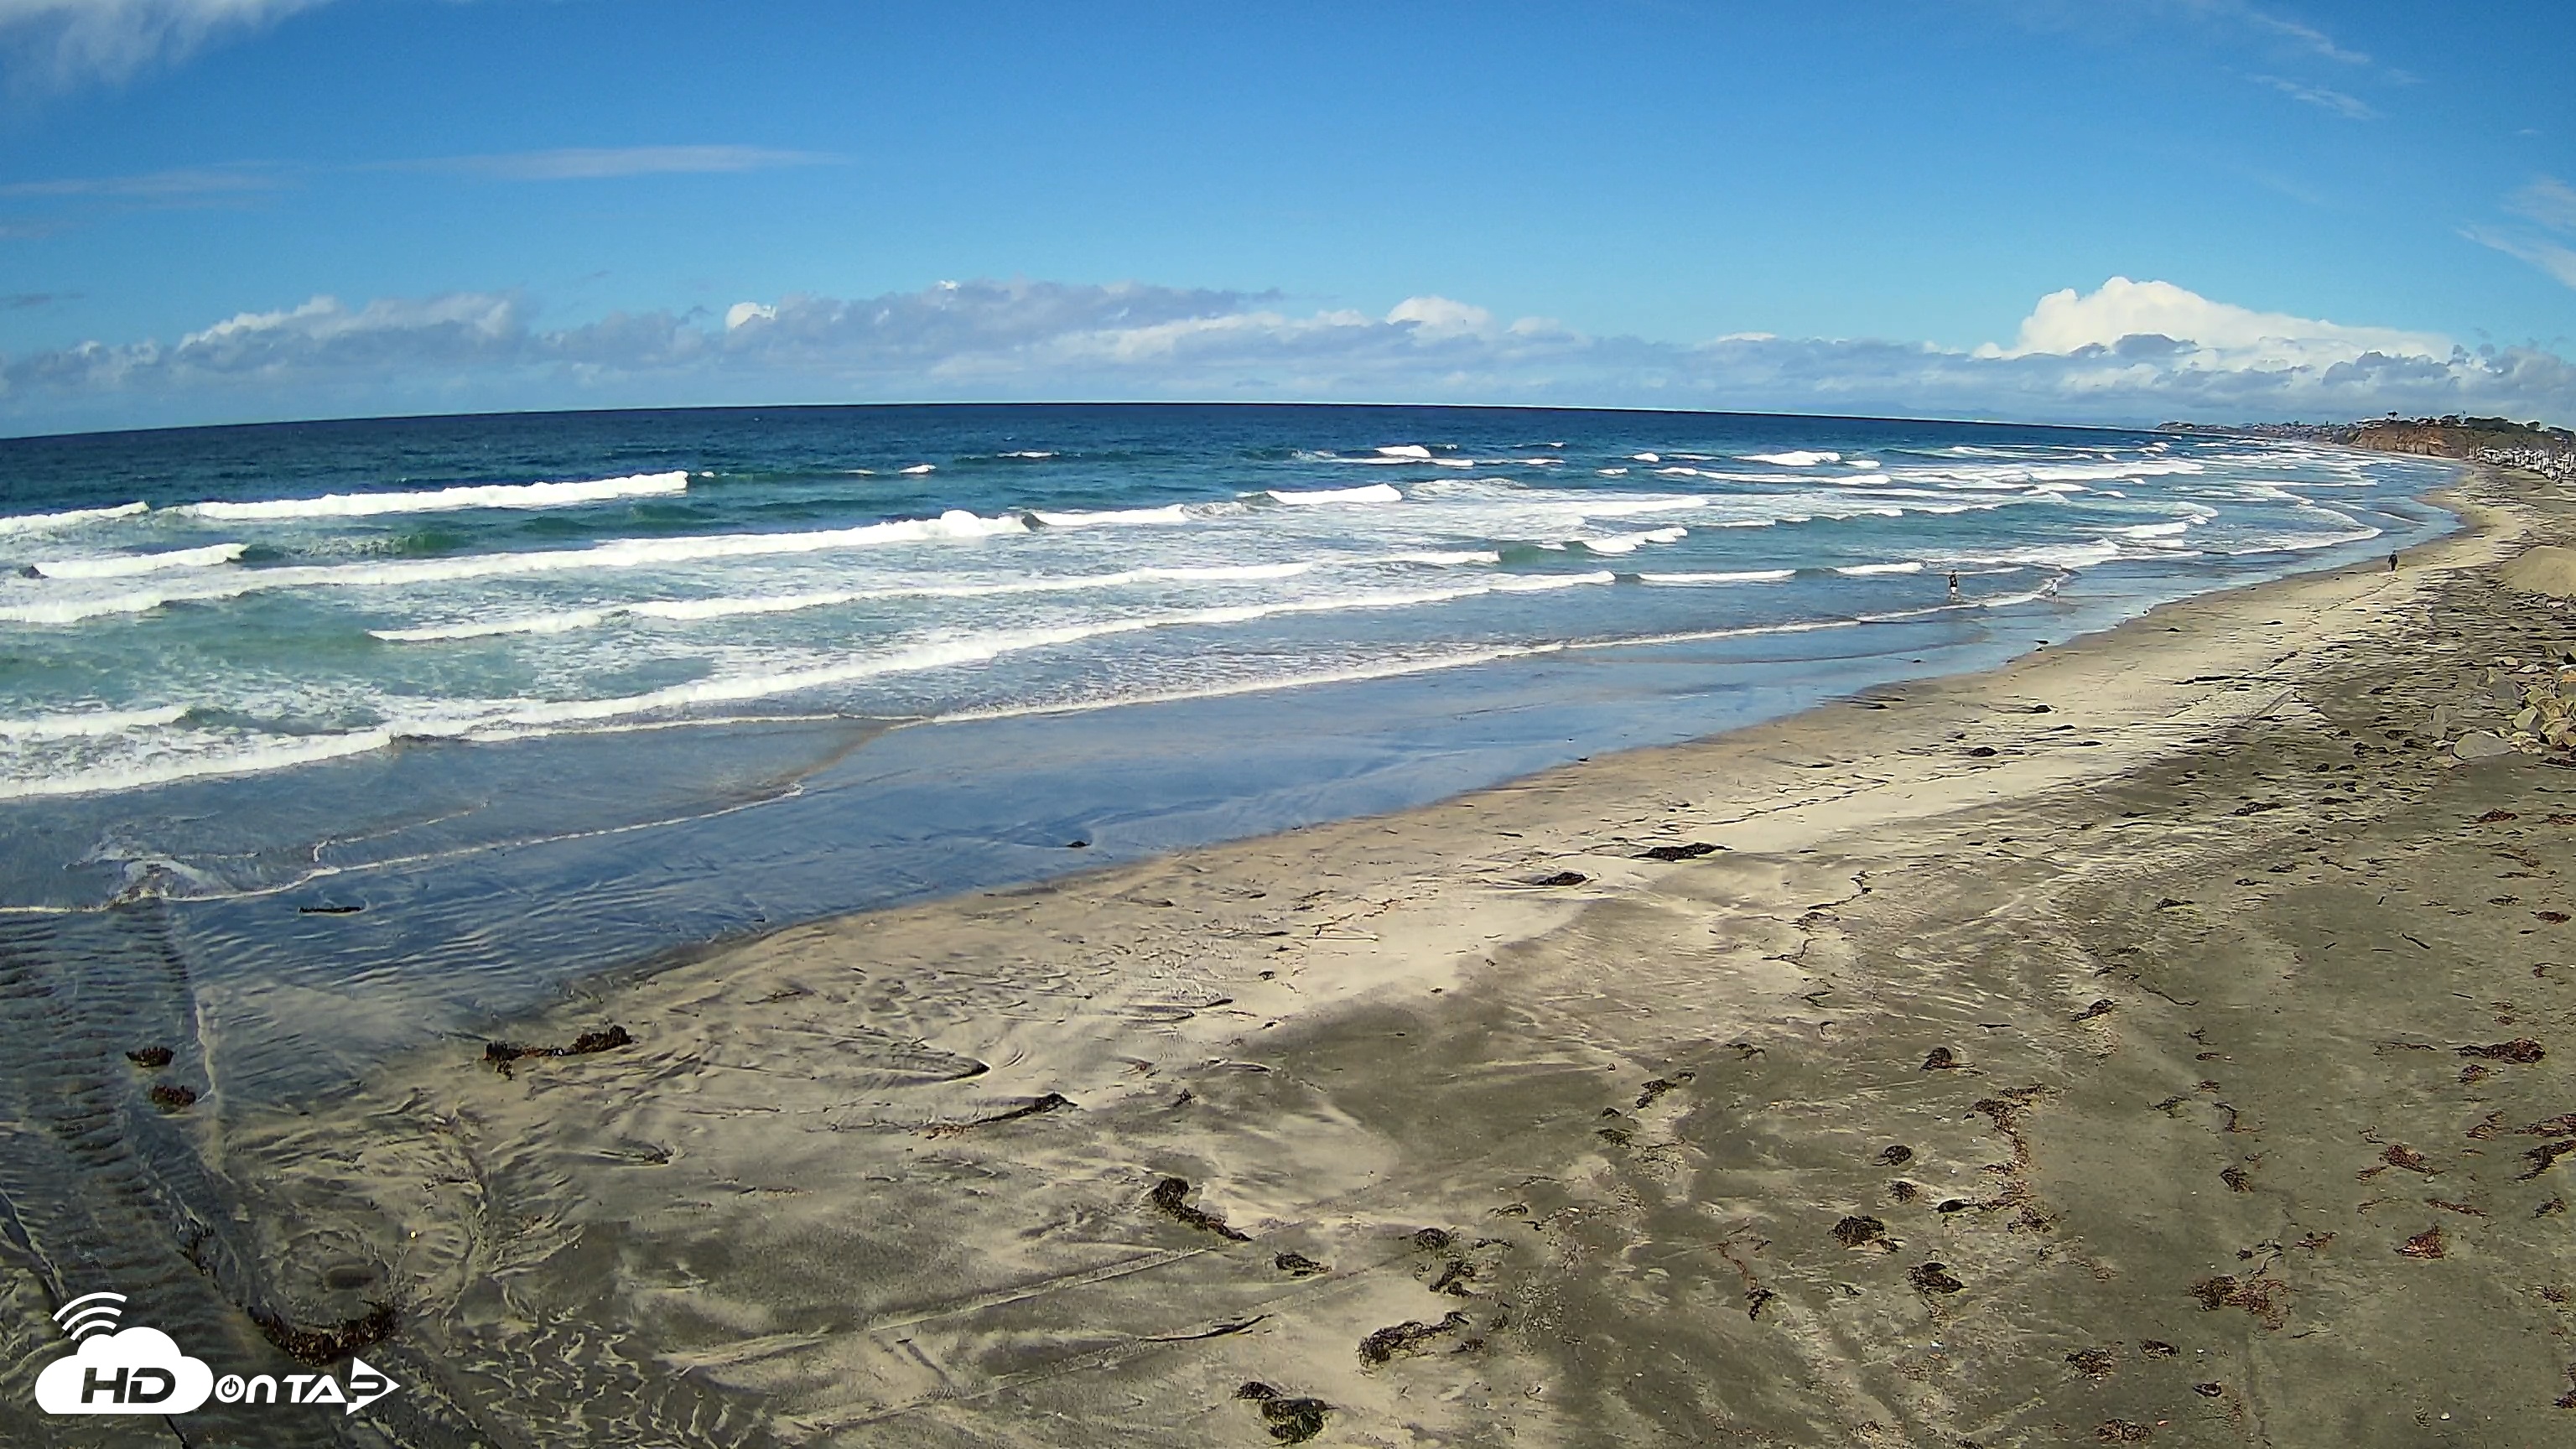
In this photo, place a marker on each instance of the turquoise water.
(217, 602)
(344, 735)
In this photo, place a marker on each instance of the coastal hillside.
(2538, 447)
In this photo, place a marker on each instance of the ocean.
(352, 734)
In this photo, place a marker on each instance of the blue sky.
(218, 210)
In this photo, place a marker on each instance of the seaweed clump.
(1406, 1337)
(1291, 1420)
(499, 1055)
(1170, 1196)
(323, 1346)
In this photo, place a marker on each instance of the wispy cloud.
(55, 44)
(588, 163)
(2305, 36)
(2549, 201)
(2349, 107)
(156, 185)
(25, 301)
(2558, 261)
(2126, 352)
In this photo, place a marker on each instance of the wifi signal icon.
(90, 1313)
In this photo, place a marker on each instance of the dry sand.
(2070, 1054)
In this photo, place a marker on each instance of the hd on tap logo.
(141, 1370)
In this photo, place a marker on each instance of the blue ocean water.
(522, 697)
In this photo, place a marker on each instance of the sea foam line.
(695, 610)
(443, 500)
(89, 723)
(1373, 493)
(46, 522)
(691, 610)
(1747, 576)
(125, 565)
(505, 720)
(622, 553)
(978, 649)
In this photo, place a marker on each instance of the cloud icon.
(137, 1371)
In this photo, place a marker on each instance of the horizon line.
(301, 422)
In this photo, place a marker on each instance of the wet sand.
(2160, 1040)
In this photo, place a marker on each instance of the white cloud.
(57, 43)
(2306, 37)
(2126, 352)
(2348, 107)
(1440, 317)
(2549, 201)
(182, 185)
(2558, 261)
(584, 163)
(2122, 313)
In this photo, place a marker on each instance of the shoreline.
(1470, 1152)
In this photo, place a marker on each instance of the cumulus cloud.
(2223, 334)
(56, 43)
(2126, 352)
(1440, 317)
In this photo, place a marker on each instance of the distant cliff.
(2534, 446)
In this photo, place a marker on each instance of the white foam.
(696, 610)
(919, 468)
(2063, 556)
(1630, 542)
(1749, 576)
(1799, 458)
(1545, 583)
(93, 722)
(1029, 453)
(1600, 507)
(618, 554)
(976, 649)
(1645, 457)
(1914, 567)
(167, 770)
(70, 518)
(1405, 450)
(1115, 517)
(2300, 542)
(1470, 557)
(1611, 472)
(2154, 530)
(448, 500)
(1373, 493)
(124, 565)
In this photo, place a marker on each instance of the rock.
(2482, 745)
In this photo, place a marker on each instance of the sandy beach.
(2165, 1039)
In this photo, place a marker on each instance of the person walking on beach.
(1954, 586)
(2392, 563)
